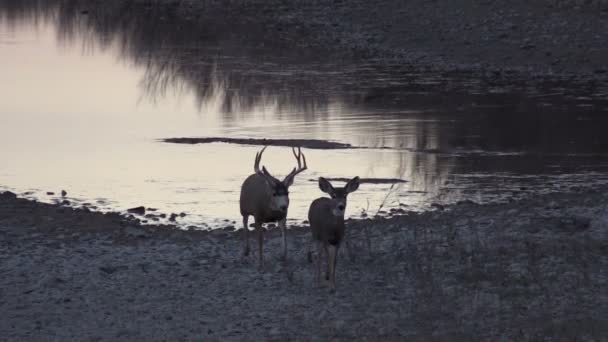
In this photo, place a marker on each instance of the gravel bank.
(542, 37)
(525, 270)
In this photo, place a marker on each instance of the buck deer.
(326, 217)
(267, 200)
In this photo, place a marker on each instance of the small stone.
(137, 210)
(112, 269)
(9, 194)
(438, 206)
(50, 193)
(63, 193)
(135, 232)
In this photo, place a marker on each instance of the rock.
(65, 202)
(137, 210)
(9, 194)
(438, 206)
(574, 224)
(50, 193)
(63, 193)
(112, 269)
(135, 232)
(527, 46)
(182, 214)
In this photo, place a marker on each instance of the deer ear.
(265, 172)
(288, 181)
(352, 185)
(268, 176)
(325, 185)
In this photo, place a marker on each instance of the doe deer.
(267, 199)
(326, 218)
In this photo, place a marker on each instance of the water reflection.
(439, 128)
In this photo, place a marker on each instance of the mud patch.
(365, 180)
(306, 143)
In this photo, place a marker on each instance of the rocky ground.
(526, 270)
(541, 37)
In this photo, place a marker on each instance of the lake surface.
(85, 99)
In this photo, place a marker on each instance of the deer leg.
(319, 261)
(333, 258)
(258, 227)
(328, 272)
(246, 235)
(283, 225)
(348, 249)
(309, 253)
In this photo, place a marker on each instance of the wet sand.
(525, 270)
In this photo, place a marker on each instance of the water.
(85, 100)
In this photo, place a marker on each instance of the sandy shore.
(526, 270)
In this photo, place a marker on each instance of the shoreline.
(519, 270)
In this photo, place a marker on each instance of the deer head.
(338, 195)
(280, 188)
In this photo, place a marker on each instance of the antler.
(258, 158)
(301, 158)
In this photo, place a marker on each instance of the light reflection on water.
(86, 103)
